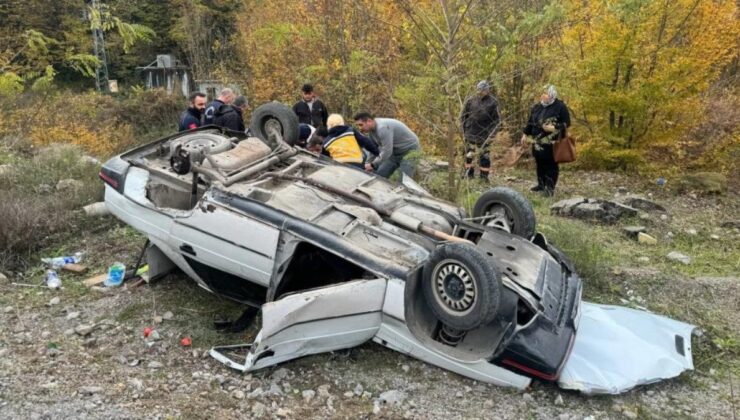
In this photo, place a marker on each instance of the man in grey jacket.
(395, 141)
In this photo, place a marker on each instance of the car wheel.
(506, 209)
(461, 286)
(275, 116)
(207, 143)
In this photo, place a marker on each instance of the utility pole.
(101, 72)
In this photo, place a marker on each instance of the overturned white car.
(335, 257)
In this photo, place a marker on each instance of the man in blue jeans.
(395, 141)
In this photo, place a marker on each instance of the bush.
(32, 211)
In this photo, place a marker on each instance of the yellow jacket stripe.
(344, 148)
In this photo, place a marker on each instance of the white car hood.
(618, 348)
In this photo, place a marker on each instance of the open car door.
(315, 321)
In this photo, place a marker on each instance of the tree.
(638, 70)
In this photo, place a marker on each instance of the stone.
(308, 395)
(358, 389)
(633, 231)
(55, 301)
(154, 336)
(44, 189)
(73, 315)
(392, 397)
(6, 169)
(527, 397)
(274, 391)
(679, 257)
(96, 209)
(283, 412)
(3, 277)
(168, 315)
(259, 410)
(84, 329)
(629, 414)
(664, 217)
(7, 309)
(45, 334)
(89, 159)
(256, 393)
(691, 232)
(715, 237)
(642, 203)
(280, 374)
(69, 332)
(405, 368)
(643, 260)
(90, 390)
(441, 164)
(238, 394)
(69, 185)
(592, 209)
(136, 383)
(559, 400)
(324, 391)
(348, 394)
(155, 365)
(730, 224)
(157, 319)
(646, 239)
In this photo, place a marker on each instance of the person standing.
(232, 116)
(395, 141)
(310, 110)
(548, 122)
(480, 120)
(225, 97)
(191, 117)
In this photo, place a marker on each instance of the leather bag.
(564, 150)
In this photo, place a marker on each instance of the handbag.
(564, 150)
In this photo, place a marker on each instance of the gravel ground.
(85, 357)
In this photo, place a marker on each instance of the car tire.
(461, 286)
(278, 115)
(509, 210)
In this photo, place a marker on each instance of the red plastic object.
(147, 331)
(186, 342)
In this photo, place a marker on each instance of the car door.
(213, 237)
(315, 321)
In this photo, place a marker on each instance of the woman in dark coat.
(548, 122)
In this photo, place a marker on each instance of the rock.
(691, 232)
(366, 395)
(392, 397)
(730, 224)
(622, 190)
(155, 365)
(7, 309)
(256, 393)
(238, 394)
(90, 390)
(559, 400)
(642, 203)
(44, 189)
(405, 368)
(154, 336)
(308, 395)
(458, 394)
(73, 315)
(280, 374)
(633, 231)
(3, 277)
(45, 334)
(679, 257)
(54, 301)
(348, 394)
(527, 397)
(6, 169)
(96, 209)
(646, 239)
(703, 182)
(358, 389)
(136, 383)
(89, 159)
(69, 185)
(84, 329)
(664, 217)
(629, 414)
(168, 315)
(69, 332)
(324, 391)
(157, 319)
(643, 260)
(376, 408)
(592, 209)
(440, 164)
(274, 391)
(715, 237)
(259, 410)
(283, 412)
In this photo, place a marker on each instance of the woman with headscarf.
(548, 122)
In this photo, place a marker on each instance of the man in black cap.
(310, 110)
(480, 121)
(231, 116)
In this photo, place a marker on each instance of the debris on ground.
(52, 280)
(592, 209)
(642, 203)
(96, 209)
(679, 257)
(646, 239)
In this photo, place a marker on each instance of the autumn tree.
(636, 72)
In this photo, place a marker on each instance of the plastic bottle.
(60, 261)
(52, 280)
(116, 272)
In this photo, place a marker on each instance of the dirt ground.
(80, 353)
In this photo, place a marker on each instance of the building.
(167, 72)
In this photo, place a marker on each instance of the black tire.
(508, 210)
(461, 286)
(275, 113)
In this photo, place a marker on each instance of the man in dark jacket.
(548, 122)
(231, 116)
(225, 97)
(480, 120)
(191, 117)
(310, 110)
